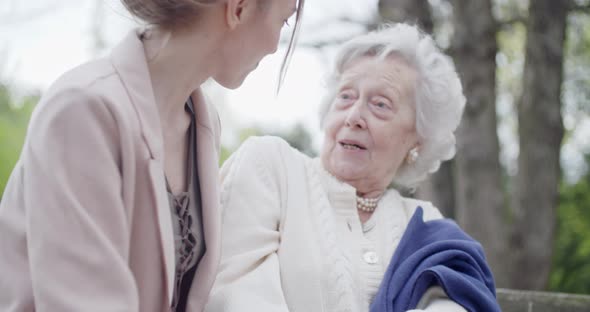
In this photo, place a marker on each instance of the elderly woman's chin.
(346, 165)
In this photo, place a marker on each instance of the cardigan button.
(371, 257)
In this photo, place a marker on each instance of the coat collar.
(129, 60)
(130, 63)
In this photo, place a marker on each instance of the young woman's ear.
(238, 12)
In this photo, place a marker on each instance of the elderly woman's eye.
(381, 104)
(345, 95)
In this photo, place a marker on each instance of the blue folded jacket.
(436, 253)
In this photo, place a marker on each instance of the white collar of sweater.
(342, 196)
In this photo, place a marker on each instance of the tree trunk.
(409, 11)
(479, 196)
(541, 132)
(439, 188)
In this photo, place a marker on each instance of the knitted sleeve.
(249, 276)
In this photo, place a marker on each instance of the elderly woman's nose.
(355, 115)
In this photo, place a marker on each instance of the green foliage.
(506, 10)
(576, 93)
(510, 60)
(571, 258)
(14, 118)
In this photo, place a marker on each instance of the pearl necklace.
(366, 204)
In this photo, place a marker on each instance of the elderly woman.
(114, 203)
(303, 234)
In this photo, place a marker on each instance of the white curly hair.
(439, 99)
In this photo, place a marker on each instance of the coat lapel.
(156, 174)
(128, 59)
(208, 168)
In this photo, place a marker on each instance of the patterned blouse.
(187, 223)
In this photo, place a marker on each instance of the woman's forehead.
(393, 61)
(391, 70)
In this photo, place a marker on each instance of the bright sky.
(41, 39)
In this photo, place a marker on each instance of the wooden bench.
(537, 301)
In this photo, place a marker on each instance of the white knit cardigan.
(292, 239)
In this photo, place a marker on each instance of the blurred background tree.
(14, 117)
(515, 223)
(571, 269)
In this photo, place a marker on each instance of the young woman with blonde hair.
(114, 205)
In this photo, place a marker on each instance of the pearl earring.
(412, 156)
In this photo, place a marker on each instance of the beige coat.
(84, 222)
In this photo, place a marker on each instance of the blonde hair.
(167, 14)
(170, 14)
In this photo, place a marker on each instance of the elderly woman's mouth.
(352, 145)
